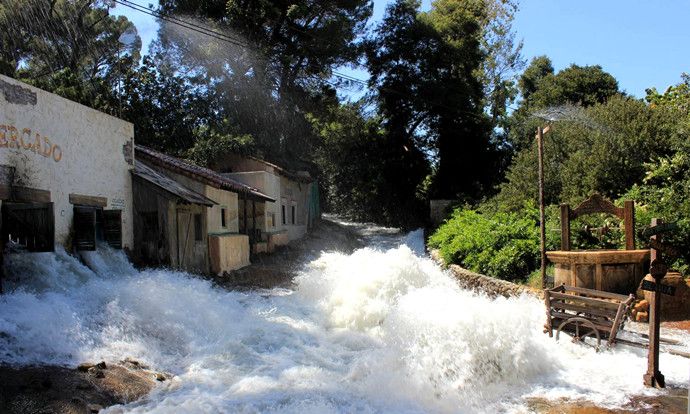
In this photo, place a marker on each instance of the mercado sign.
(11, 137)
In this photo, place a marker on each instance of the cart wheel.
(580, 329)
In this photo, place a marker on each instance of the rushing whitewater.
(377, 331)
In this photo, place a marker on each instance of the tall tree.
(70, 47)
(425, 68)
(276, 64)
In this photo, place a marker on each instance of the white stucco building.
(63, 167)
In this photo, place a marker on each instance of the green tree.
(539, 68)
(276, 69)
(424, 67)
(69, 47)
(364, 175)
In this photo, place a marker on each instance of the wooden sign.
(658, 287)
(663, 248)
(659, 229)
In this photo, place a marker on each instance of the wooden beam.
(86, 200)
(30, 195)
(629, 222)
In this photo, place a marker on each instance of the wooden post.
(654, 378)
(542, 224)
(565, 227)
(629, 220)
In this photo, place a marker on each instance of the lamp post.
(542, 224)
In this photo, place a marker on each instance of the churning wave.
(376, 331)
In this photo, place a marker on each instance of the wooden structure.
(618, 271)
(597, 204)
(169, 222)
(658, 270)
(586, 313)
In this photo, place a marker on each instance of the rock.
(642, 305)
(160, 377)
(133, 363)
(96, 372)
(84, 367)
(101, 365)
(24, 389)
(641, 317)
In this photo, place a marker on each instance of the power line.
(214, 33)
(237, 42)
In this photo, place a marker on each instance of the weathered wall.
(268, 184)
(64, 147)
(228, 252)
(227, 200)
(295, 194)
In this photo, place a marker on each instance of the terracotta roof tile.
(198, 173)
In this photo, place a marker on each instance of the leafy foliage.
(499, 244)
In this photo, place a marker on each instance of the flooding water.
(382, 330)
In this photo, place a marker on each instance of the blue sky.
(641, 43)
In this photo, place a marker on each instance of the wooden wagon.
(587, 315)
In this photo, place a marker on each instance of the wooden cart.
(588, 315)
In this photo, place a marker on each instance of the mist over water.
(382, 330)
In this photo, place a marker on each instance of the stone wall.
(485, 284)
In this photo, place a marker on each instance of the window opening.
(197, 227)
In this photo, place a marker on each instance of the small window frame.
(223, 217)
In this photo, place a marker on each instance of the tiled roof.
(170, 185)
(198, 173)
(302, 176)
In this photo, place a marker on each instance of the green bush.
(499, 244)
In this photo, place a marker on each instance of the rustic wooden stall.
(618, 271)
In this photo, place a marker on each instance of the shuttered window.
(198, 228)
(31, 225)
(112, 228)
(84, 224)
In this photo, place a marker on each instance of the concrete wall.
(228, 252)
(66, 148)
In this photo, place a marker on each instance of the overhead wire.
(238, 42)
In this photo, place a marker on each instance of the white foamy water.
(377, 331)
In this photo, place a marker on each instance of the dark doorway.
(30, 225)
